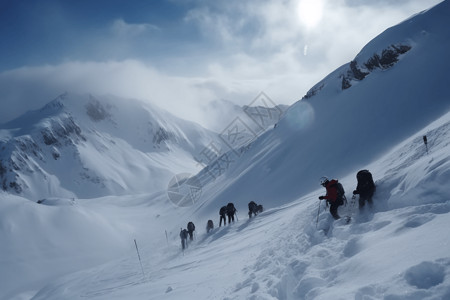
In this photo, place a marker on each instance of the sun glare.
(310, 12)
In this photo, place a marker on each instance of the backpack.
(223, 210)
(260, 208)
(230, 208)
(340, 193)
(210, 224)
(364, 177)
(252, 206)
(191, 226)
(340, 189)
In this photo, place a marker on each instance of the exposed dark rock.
(56, 155)
(357, 73)
(388, 58)
(49, 138)
(345, 83)
(313, 91)
(96, 111)
(160, 136)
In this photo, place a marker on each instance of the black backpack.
(340, 193)
(223, 210)
(210, 224)
(364, 176)
(365, 181)
(340, 190)
(252, 206)
(260, 208)
(191, 226)
(230, 208)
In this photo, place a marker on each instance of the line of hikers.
(335, 197)
(225, 211)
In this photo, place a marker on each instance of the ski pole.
(350, 210)
(318, 211)
(137, 250)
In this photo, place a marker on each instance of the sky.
(182, 55)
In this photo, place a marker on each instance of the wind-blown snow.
(396, 250)
(70, 248)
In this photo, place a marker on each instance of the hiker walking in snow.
(231, 211)
(190, 230)
(365, 188)
(334, 196)
(183, 236)
(253, 208)
(209, 226)
(223, 213)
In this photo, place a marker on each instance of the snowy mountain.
(86, 146)
(346, 121)
(370, 113)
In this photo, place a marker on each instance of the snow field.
(396, 250)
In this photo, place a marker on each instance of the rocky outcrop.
(20, 155)
(387, 59)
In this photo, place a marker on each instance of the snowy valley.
(105, 227)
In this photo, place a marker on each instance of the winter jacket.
(332, 192)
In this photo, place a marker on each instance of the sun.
(310, 12)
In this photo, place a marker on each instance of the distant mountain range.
(90, 146)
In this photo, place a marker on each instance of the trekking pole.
(137, 250)
(167, 239)
(318, 211)
(235, 213)
(425, 141)
(350, 210)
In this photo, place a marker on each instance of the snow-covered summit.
(87, 146)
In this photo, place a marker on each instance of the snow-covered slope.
(338, 127)
(86, 146)
(396, 250)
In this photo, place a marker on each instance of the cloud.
(121, 28)
(266, 40)
(30, 88)
(237, 49)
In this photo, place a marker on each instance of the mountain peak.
(55, 105)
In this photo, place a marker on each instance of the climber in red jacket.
(334, 196)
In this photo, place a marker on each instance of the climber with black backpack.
(253, 208)
(223, 213)
(365, 188)
(335, 195)
(183, 237)
(231, 211)
(191, 229)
